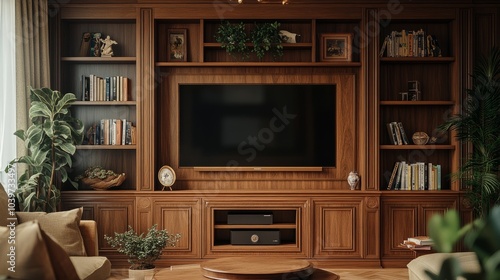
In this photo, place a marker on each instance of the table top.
(248, 268)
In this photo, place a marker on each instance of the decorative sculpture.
(353, 180)
(288, 37)
(106, 48)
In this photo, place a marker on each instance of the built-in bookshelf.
(105, 90)
(417, 91)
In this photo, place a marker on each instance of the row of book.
(397, 134)
(415, 176)
(114, 88)
(111, 132)
(409, 44)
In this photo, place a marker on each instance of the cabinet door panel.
(111, 215)
(428, 210)
(112, 218)
(398, 223)
(180, 216)
(337, 225)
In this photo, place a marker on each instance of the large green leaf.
(62, 129)
(20, 133)
(68, 148)
(48, 128)
(43, 95)
(38, 109)
(34, 136)
(64, 103)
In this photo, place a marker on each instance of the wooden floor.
(345, 274)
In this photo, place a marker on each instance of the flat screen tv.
(257, 125)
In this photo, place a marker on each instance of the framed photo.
(336, 47)
(177, 45)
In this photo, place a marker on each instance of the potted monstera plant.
(142, 249)
(51, 140)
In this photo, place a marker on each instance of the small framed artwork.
(177, 45)
(336, 47)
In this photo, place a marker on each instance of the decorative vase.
(141, 274)
(353, 180)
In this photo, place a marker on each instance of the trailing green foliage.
(481, 237)
(51, 141)
(142, 250)
(478, 126)
(266, 38)
(233, 38)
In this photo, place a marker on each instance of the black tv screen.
(264, 125)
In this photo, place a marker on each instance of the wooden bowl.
(104, 184)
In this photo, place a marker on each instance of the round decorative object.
(104, 184)
(99, 178)
(353, 180)
(420, 138)
(166, 176)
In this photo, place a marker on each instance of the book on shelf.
(112, 88)
(393, 175)
(85, 88)
(413, 246)
(404, 138)
(415, 176)
(413, 43)
(397, 134)
(392, 134)
(421, 240)
(110, 132)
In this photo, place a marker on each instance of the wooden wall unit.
(320, 218)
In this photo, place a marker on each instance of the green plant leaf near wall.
(51, 140)
(262, 39)
(478, 126)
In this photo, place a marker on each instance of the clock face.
(166, 176)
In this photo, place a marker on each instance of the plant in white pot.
(142, 249)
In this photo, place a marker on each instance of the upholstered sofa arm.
(88, 228)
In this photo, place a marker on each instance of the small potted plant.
(142, 249)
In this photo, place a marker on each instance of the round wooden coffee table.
(248, 268)
(256, 268)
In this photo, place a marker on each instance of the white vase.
(141, 274)
(353, 180)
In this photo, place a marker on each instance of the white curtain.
(7, 86)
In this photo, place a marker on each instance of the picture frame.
(177, 45)
(336, 47)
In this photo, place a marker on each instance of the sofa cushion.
(92, 268)
(4, 206)
(432, 262)
(37, 256)
(61, 226)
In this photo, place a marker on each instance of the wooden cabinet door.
(111, 215)
(404, 217)
(180, 215)
(398, 222)
(337, 224)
